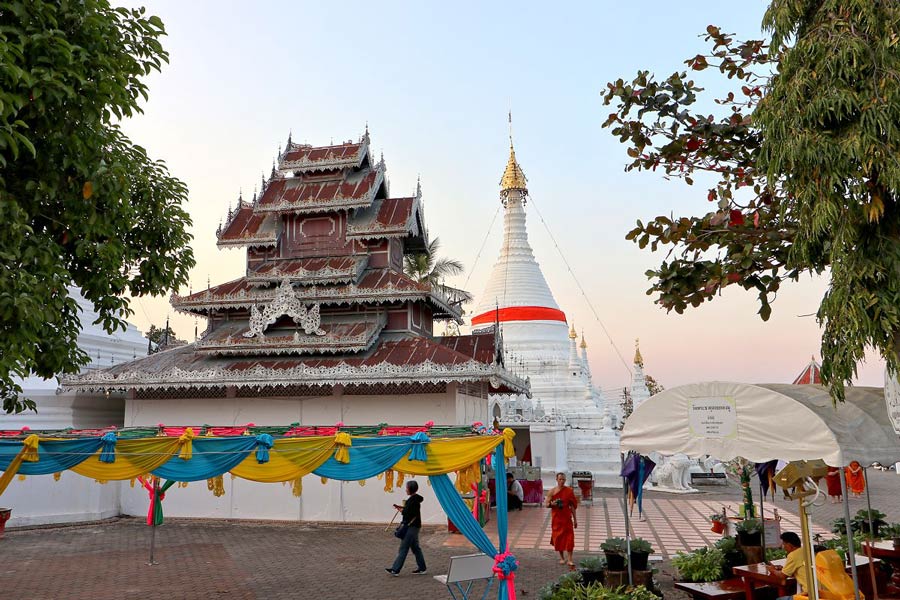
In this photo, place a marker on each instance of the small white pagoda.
(567, 425)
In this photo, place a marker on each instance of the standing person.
(412, 517)
(833, 481)
(514, 493)
(562, 502)
(856, 482)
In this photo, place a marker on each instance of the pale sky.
(434, 81)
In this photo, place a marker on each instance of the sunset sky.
(434, 82)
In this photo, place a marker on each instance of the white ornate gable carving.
(285, 303)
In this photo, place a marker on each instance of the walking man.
(412, 518)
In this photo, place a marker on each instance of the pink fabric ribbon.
(477, 501)
(504, 568)
(149, 487)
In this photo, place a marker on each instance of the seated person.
(514, 493)
(796, 561)
(834, 583)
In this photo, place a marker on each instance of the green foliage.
(426, 267)
(718, 518)
(705, 564)
(592, 563)
(841, 546)
(828, 126)
(726, 544)
(775, 553)
(749, 526)
(569, 587)
(891, 531)
(803, 161)
(79, 203)
(614, 545)
(640, 545)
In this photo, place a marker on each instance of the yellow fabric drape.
(446, 455)
(187, 446)
(27, 453)
(288, 459)
(343, 441)
(133, 458)
(508, 449)
(389, 480)
(216, 485)
(297, 487)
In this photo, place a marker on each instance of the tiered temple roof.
(324, 300)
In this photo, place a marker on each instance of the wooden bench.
(728, 589)
(708, 479)
(467, 569)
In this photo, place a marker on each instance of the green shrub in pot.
(702, 565)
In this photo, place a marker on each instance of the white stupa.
(538, 339)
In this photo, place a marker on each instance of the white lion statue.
(674, 473)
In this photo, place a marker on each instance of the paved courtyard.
(217, 559)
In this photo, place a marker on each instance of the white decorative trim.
(372, 229)
(326, 274)
(304, 164)
(339, 295)
(259, 375)
(285, 303)
(335, 203)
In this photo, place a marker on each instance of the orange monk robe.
(562, 532)
(856, 482)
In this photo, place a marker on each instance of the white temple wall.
(549, 442)
(332, 501)
(40, 499)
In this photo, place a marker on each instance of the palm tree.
(426, 267)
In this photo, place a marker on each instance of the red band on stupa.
(520, 313)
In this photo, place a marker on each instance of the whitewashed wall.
(333, 501)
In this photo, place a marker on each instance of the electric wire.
(578, 283)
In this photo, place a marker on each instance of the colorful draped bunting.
(263, 458)
(266, 458)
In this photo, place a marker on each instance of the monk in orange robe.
(562, 502)
(856, 482)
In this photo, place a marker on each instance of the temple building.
(811, 374)
(323, 328)
(567, 424)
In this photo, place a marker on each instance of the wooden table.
(758, 574)
(752, 575)
(886, 552)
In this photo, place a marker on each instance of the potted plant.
(718, 521)
(705, 564)
(614, 549)
(892, 532)
(861, 521)
(839, 527)
(640, 553)
(592, 569)
(750, 532)
(733, 555)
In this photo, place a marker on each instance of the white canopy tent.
(764, 422)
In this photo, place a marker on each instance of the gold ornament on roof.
(583, 342)
(513, 177)
(638, 359)
(572, 334)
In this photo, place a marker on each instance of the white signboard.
(712, 417)
(892, 399)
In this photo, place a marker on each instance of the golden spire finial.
(583, 342)
(572, 334)
(513, 177)
(638, 359)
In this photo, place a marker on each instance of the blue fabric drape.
(108, 443)
(210, 458)
(53, 456)
(264, 443)
(419, 439)
(502, 509)
(459, 513)
(368, 458)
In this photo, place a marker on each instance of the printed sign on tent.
(712, 417)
